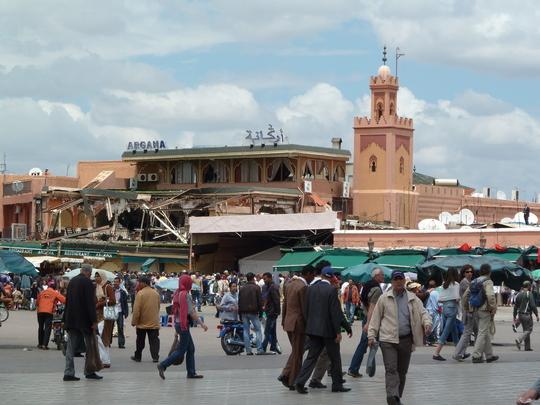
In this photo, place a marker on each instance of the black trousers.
(316, 345)
(44, 328)
(153, 341)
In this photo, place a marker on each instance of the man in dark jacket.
(122, 310)
(271, 305)
(80, 321)
(250, 307)
(324, 318)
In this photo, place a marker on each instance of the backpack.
(477, 294)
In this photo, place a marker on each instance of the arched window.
(322, 170)
(215, 172)
(184, 173)
(380, 111)
(281, 169)
(308, 170)
(392, 110)
(401, 165)
(339, 174)
(247, 171)
(66, 219)
(373, 164)
(83, 220)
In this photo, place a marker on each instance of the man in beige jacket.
(399, 320)
(145, 318)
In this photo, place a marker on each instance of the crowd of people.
(315, 306)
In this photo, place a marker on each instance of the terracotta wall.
(87, 170)
(449, 238)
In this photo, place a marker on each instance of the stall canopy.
(362, 272)
(402, 259)
(343, 258)
(145, 267)
(37, 260)
(502, 271)
(260, 262)
(12, 262)
(295, 261)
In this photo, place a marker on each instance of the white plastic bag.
(103, 351)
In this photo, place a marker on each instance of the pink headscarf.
(180, 306)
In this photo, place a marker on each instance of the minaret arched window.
(392, 109)
(401, 165)
(373, 164)
(380, 111)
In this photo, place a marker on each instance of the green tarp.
(362, 272)
(401, 259)
(147, 264)
(341, 259)
(295, 261)
(12, 262)
(536, 274)
(510, 273)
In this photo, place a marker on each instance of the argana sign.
(142, 145)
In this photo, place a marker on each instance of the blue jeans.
(248, 320)
(450, 311)
(196, 295)
(270, 334)
(350, 309)
(361, 349)
(185, 347)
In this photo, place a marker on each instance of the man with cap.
(523, 308)
(145, 318)
(323, 318)
(80, 322)
(399, 320)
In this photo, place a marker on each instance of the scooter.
(59, 334)
(231, 334)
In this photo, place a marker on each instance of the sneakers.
(518, 344)
(438, 357)
(353, 374)
(94, 376)
(492, 359)
(71, 378)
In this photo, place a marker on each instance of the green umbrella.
(361, 273)
(12, 262)
(502, 271)
(536, 274)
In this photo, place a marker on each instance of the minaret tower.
(383, 157)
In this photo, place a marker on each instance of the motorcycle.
(231, 334)
(59, 334)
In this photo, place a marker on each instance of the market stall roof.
(342, 258)
(37, 260)
(295, 261)
(510, 273)
(362, 272)
(263, 223)
(260, 262)
(401, 259)
(12, 262)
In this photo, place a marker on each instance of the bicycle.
(4, 312)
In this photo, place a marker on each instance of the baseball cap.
(327, 271)
(397, 274)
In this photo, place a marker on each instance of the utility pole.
(398, 55)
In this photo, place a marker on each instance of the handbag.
(180, 360)
(109, 312)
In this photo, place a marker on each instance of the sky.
(79, 79)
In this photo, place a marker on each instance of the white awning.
(260, 262)
(37, 260)
(263, 223)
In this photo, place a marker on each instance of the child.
(17, 298)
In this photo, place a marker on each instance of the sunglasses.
(468, 271)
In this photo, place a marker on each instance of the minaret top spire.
(384, 55)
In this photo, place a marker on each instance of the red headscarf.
(180, 306)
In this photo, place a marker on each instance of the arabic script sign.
(271, 136)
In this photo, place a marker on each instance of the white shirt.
(315, 280)
(450, 293)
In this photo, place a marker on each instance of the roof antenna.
(398, 55)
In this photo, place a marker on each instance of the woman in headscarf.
(104, 297)
(184, 312)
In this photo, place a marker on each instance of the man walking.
(293, 322)
(122, 310)
(46, 304)
(480, 299)
(323, 317)
(271, 306)
(523, 310)
(351, 299)
(369, 297)
(250, 306)
(469, 321)
(80, 322)
(145, 319)
(400, 320)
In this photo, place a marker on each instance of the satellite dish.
(431, 224)
(533, 219)
(520, 218)
(501, 195)
(17, 186)
(506, 220)
(445, 217)
(36, 171)
(466, 216)
(466, 227)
